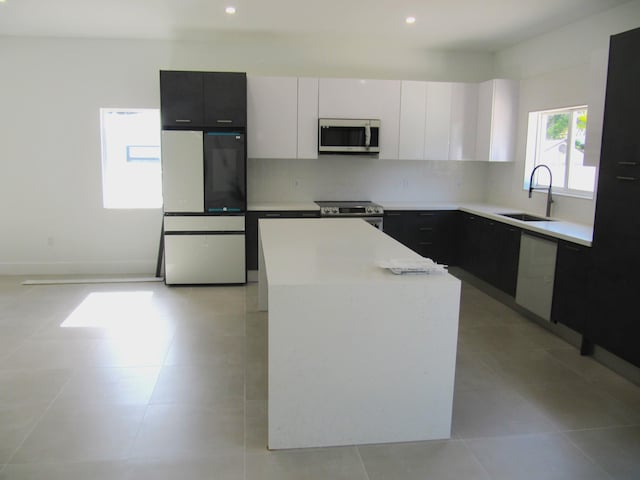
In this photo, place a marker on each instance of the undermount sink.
(525, 217)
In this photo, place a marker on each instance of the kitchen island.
(357, 354)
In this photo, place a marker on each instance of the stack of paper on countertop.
(415, 266)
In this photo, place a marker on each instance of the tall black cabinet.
(614, 322)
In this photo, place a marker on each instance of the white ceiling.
(470, 25)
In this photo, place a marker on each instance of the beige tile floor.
(140, 381)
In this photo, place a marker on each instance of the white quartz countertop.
(407, 206)
(561, 229)
(558, 228)
(282, 206)
(332, 251)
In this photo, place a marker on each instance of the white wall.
(357, 178)
(50, 94)
(554, 72)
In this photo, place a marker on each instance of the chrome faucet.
(531, 189)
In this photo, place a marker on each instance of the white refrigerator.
(203, 182)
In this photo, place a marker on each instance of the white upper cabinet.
(497, 120)
(353, 98)
(307, 118)
(272, 117)
(413, 101)
(464, 121)
(438, 121)
(597, 91)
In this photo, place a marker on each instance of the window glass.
(131, 173)
(556, 139)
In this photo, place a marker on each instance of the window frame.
(125, 200)
(536, 131)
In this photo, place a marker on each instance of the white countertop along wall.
(558, 228)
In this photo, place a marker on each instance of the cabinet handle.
(628, 164)
(309, 215)
(183, 120)
(426, 214)
(392, 214)
(426, 229)
(224, 121)
(627, 179)
(273, 215)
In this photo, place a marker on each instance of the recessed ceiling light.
(230, 10)
(410, 20)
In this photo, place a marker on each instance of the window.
(131, 174)
(556, 138)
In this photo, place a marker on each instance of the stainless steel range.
(368, 211)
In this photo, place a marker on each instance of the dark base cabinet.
(570, 287)
(489, 250)
(252, 230)
(429, 233)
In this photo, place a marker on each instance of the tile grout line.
(584, 454)
(475, 457)
(364, 467)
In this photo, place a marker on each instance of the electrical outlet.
(405, 183)
(296, 183)
(50, 241)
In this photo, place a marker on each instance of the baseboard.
(143, 268)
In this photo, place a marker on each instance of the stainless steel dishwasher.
(536, 272)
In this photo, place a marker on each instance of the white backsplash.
(361, 178)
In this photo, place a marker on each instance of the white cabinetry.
(307, 118)
(272, 117)
(438, 121)
(497, 120)
(354, 98)
(464, 121)
(413, 101)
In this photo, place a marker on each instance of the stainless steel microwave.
(341, 135)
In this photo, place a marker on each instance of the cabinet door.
(225, 99)
(181, 95)
(614, 323)
(182, 171)
(438, 121)
(272, 110)
(307, 118)
(433, 235)
(464, 121)
(497, 120)
(394, 226)
(571, 301)
(413, 102)
(506, 245)
(353, 98)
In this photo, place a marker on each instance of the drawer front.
(204, 259)
(204, 223)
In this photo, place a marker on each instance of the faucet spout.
(531, 187)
